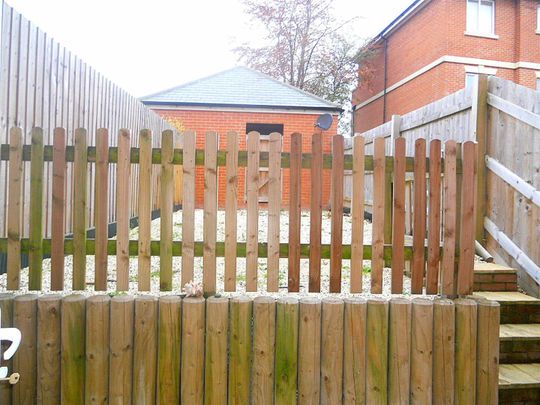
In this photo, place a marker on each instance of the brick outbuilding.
(243, 100)
(437, 47)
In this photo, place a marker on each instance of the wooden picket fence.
(192, 351)
(442, 264)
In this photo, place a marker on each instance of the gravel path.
(263, 220)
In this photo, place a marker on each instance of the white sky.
(147, 46)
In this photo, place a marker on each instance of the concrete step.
(519, 343)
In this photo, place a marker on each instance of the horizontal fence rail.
(191, 351)
(441, 250)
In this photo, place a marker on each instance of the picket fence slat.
(166, 212)
(336, 245)
(58, 209)
(315, 226)
(252, 187)
(101, 209)
(231, 203)
(145, 210)
(398, 217)
(210, 212)
(434, 218)
(188, 209)
(35, 255)
(14, 210)
(377, 241)
(295, 217)
(123, 195)
(419, 226)
(357, 214)
(450, 218)
(274, 212)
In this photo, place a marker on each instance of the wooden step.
(494, 277)
(519, 376)
(516, 308)
(520, 332)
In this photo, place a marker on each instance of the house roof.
(240, 87)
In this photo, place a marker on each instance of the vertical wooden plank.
(166, 211)
(419, 227)
(252, 187)
(309, 352)
(377, 351)
(274, 207)
(35, 254)
(465, 360)
(97, 349)
(100, 208)
(354, 346)
(377, 240)
(73, 356)
(231, 204)
(14, 209)
(336, 247)
(215, 370)
(48, 349)
(145, 208)
(25, 358)
(487, 368)
(264, 338)
(58, 204)
(210, 212)
(295, 201)
(479, 121)
(169, 348)
(192, 367)
(399, 350)
(145, 342)
(286, 364)
(315, 227)
(332, 351)
(443, 351)
(6, 314)
(240, 350)
(421, 353)
(398, 235)
(434, 218)
(449, 242)
(188, 208)
(80, 210)
(121, 345)
(466, 242)
(123, 195)
(357, 215)
(178, 171)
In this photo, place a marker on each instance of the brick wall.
(225, 121)
(437, 30)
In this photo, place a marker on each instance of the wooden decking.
(519, 376)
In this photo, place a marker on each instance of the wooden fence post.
(354, 346)
(377, 351)
(97, 349)
(465, 365)
(192, 366)
(399, 351)
(332, 351)
(6, 308)
(421, 351)
(487, 368)
(215, 370)
(169, 348)
(48, 349)
(443, 351)
(264, 342)
(309, 352)
(286, 365)
(479, 130)
(240, 350)
(73, 344)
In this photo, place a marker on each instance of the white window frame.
(477, 70)
(538, 18)
(476, 32)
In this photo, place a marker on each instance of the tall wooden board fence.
(241, 350)
(43, 84)
(446, 260)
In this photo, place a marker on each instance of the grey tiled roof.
(239, 86)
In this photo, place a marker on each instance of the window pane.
(486, 17)
(472, 15)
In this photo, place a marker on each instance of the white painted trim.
(480, 35)
(514, 110)
(538, 74)
(513, 250)
(480, 70)
(451, 59)
(513, 180)
(232, 109)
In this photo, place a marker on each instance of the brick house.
(243, 100)
(436, 47)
